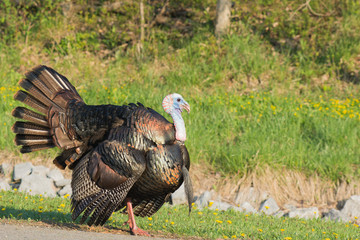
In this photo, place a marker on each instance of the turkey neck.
(179, 125)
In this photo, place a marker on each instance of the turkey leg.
(134, 229)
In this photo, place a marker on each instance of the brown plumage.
(120, 155)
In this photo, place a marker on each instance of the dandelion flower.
(200, 213)
(3, 209)
(41, 199)
(233, 236)
(260, 230)
(243, 234)
(150, 224)
(62, 205)
(288, 238)
(149, 218)
(172, 223)
(215, 213)
(282, 230)
(267, 207)
(211, 203)
(15, 189)
(229, 221)
(218, 221)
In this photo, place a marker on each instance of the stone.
(40, 170)
(37, 184)
(248, 208)
(279, 214)
(5, 168)
(203, 200)
(352, 207)
(55, 174)
(269, 207)
(179, 196)
(306, 213)
(65, 190)
(62, 182)
(220, 206)
(4, 185)
(289, 207)
(250, 195)
(336, 215)
(21, 170)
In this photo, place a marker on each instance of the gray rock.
(289, 207)
(221, 206)
(21, 170)
(352, 207)
(37, 184)
(179, 197)
(55, 174)
(248, 208)
(279, 214)
(40, 170)
(306, 213)
(62, 182)
(269, 206)
(5, 168)
(4, 185)
(336, 215)
(203, 200)
(250, 195)
(65, 190)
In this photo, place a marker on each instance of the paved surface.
(20, 231)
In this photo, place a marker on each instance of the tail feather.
(33, 148)
(26, 114)
(30, 129)
(29, 100)
(30, 140)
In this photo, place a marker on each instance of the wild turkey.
(118, 154)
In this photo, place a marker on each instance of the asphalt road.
(29, 232)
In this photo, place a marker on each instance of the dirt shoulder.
(17, 230)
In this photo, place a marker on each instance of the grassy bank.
(269, 94)
(203, 223)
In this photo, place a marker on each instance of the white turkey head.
(174, 104)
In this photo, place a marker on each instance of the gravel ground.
(29, 232)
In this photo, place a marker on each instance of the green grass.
(205, 223)
(259, 97)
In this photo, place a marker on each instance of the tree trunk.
(223, 13)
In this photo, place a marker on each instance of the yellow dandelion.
(267, 207)
(59, 209)
(323, 232)
(166, 220)
(218, 221)
(356, 217)
(200, 213)
(4, 123)
(288, 238)
(260, 230)
(164, 226)
(40, 207)
(3, 209)
(41, 199)
(225, 237)
(62, 205)
(229, 221)
(150, 224)
(215, 213)
(295, 114)
(66, 195)
(40, 195)
(149, 218)
(211, 203)
(15, 189)
(355, 225)
(233, 236)
(282, 230)
(243, 234)
(192, 204)
(40, 211)
(26, 197)
(172, 223)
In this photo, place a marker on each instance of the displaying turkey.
(121, 156)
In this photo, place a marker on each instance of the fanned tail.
(43, 87)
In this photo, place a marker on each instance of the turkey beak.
(186, 106)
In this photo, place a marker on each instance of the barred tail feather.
(31, 116)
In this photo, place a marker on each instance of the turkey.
(127, 157)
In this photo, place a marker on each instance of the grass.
(260, 97)
(174, 220)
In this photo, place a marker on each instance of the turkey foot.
(134, 229)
